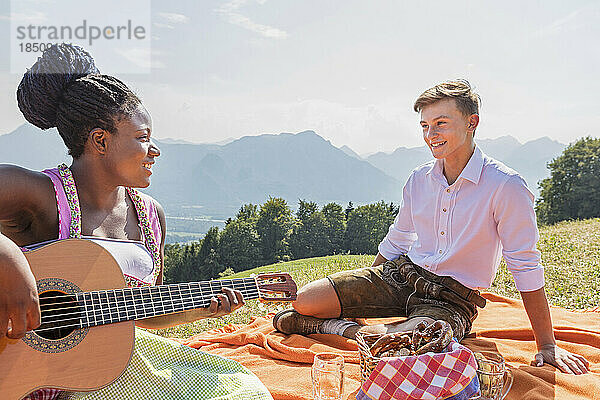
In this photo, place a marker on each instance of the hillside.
(33, 148)
(570, 253)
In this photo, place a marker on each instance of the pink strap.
(154, 220)
(64, 212)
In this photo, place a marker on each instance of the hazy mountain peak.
(385, 153)
(30, 147)
(224, 141)
(308, 133)
(350, 152)
(544, 140)
(506, 139)
(174, 141)
(30, 130)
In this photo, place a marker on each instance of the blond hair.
(467, 101)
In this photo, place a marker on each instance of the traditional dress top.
(132, 256)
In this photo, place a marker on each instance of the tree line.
(271, 232)
(573, 189)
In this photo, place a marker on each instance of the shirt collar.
(471, 172)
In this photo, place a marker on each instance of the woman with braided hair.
(107, 131)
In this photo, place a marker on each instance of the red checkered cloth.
(448, 375)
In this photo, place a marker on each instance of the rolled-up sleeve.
(401, 233)
(517, 229)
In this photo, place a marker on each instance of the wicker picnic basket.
(367, 361)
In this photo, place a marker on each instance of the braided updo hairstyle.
(64, 89)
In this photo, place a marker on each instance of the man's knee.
(318, 299)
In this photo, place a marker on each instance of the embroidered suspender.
(147, 234)
(73, 199)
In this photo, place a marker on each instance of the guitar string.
(189, 294)
(190, 297)
(112, 319)
(79, 325)
(124, 304)
(155, 289)
(44, 306)
(75, 303)
(175, 285)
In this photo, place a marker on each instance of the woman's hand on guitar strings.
(226, 302)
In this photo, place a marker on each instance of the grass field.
(570, 254)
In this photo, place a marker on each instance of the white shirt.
(132, 256)
(462, 230)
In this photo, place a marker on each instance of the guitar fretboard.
(110, 306)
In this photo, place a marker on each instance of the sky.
(350, 70)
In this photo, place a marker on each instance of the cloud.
(247, 23)
(571, 22)
(559, 25)
(174, 18)
(231, 6)
(230, 12)
(166, 26)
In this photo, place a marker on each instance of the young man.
(460, 214)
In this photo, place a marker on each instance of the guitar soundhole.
(60, 315)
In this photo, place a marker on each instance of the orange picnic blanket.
(282, 362)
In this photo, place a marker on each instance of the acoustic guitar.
(86, 337)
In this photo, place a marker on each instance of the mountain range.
(214, 180)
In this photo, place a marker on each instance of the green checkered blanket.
(163, 369)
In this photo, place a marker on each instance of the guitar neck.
(117, 305)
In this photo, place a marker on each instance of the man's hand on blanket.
(230, 300)
(566, 361)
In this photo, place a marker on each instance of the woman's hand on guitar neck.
(221, 304)
(226, 302)
(19, 303)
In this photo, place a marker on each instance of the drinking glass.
(495, 380)
(327, 376)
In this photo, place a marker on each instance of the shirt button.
(444, 210)
(440, 252)
(448, 190)
(442, 232)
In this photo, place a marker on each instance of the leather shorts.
(401, 288)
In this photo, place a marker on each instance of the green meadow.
(570, 254)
